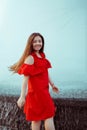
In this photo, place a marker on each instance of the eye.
(34, 41)
(39, 41)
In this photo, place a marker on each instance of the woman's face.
(37, 43)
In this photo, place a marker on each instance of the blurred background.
(63, 23)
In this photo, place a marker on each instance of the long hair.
(27, 51)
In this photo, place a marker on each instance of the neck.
(36, 52)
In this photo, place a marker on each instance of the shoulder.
(29, 60)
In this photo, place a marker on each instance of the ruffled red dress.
(39, 104)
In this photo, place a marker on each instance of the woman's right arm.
(21, 100)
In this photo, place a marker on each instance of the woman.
(37, 102)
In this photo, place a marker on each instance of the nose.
(38, 43)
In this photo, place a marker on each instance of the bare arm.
(21, 100)
(50, 81)
(24, 86)
(54, 88)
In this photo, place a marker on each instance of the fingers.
(55, 89)
(20, 103)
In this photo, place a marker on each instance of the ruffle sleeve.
(30, 70)
(48, 64)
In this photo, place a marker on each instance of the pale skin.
(49, 124)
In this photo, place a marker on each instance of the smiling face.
(37, 43)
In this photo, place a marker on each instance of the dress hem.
(40, 119)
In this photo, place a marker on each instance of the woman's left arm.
(54, 88)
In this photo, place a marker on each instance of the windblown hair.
(28, 50)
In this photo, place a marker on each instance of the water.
(76, 89)
(66, 90)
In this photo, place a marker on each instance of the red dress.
(39, 104)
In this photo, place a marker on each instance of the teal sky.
(63, 23)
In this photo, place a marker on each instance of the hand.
(55, 89)
(21, 102)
